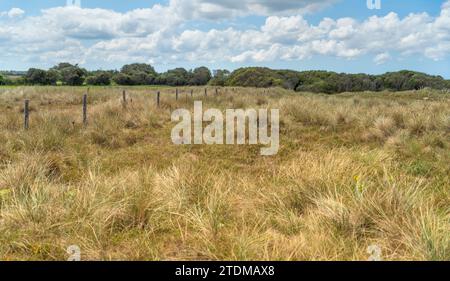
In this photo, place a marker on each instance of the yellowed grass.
(353, 170)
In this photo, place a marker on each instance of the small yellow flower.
(359, 186)
(4, 192)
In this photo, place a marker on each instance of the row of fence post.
(26, 110)
(177, 94)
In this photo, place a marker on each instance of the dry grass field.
(353, 170)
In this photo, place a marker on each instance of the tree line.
(332, 82)
(145, 74)
(129, 75)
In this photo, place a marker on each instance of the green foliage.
(182, 77)
(332, 82)
(73, 76)
(61, 66)
(141, 78)
(137, 78)
(100, 78)
(136, 74)
(308, 81)
(36, 76)
(134, 68)
(52, 77)
(2, 80)
(410, 80)
(7, 79)
(174, 77)
(290, 79)
(419, 168)
(122, 79)
(255, 77)
(69, 74)
(220, 77)
(200, 76)
(263, 77)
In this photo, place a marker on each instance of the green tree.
(99, 78)
(69, 74)
(200, 76)
(122, 79)
(141, 78)
(73, 76)
(136, 74)
(220, 77)
(62, 65)
(131, 69)
(36, 76)
(255, 77)
(174, 77)
(52, 77)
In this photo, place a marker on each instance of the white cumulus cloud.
(13, 13)
(381, 58)
(162, 34)
(225, 9)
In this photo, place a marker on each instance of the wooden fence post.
(26, 113)
(176, 94)
(158, 98)
(124, 98)
(217, 92)
(192, 93)
(206, 92)
(84, 109)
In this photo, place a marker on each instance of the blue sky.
(337, 35)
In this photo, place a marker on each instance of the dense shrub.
(134, 68)
(200, 76)
(174, 77)
(122, 79)
(255, 77)
(69, 74)
(101, 78)
(136, 74)
(138, 78)
(36, 76)
(311, 81)
(220, 77)
(331, 82)
(2, 80)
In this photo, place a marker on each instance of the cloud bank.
(159, 34)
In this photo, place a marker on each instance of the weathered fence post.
(84, 109)
(217, 92)
(124, 98)
(26, 113)
(176, 94)
(206, 92)
(192, 93)
(158, 98)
